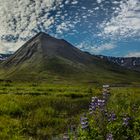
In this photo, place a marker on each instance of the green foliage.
(124, 102)
(45, 111)
(39, 111)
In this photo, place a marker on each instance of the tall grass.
(41, 111)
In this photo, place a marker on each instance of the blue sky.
(107, 27)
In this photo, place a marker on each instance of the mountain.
(132, 63)
(45, 58)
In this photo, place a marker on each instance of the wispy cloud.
(22, 19)
(94, 49)
(133, 54)
(125, 23)
(9, 47)
(104, 47)
(99, 1)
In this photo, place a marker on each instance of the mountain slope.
(132, 63)
(50, 59)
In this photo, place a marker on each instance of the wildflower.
(84, 122)
(94, 99)
(96, 103)
(126, 121)
(112, 117)
(109, 136)
(101, 103)
(93, 104)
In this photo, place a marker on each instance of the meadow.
(40, 111)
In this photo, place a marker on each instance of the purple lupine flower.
(93, 105)
(94, 99)
(96, 103)
(109, 136)
(112, 117)
(126, 121)
(84, 122)
(101, 103)
(90, 110)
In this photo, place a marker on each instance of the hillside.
(132, 63)
(45, 58)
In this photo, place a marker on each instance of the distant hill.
(45, 58)
(132, 63)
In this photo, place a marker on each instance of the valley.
(47, 85)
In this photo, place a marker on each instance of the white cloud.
(26, 17)
(96, 49)
(104, 47)
(99, 1)
(8, 47)
(22, 17)
(74, 2)
(126, 24)
(133, 54)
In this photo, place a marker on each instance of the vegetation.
(112, 116)
(40, 111)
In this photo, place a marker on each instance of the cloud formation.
(84, 21)
(22, 19)
(125, 23)
(133, 54)
(95, 48)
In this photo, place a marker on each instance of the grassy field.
(112, 116)
(44, 111)
(38, 111)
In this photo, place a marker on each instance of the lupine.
(84, 122)
(97, 106)
(93, 104)
(126, 121)
(109, 136)
(94, 99)
(112, 117)
(96, 103)
(101, 103)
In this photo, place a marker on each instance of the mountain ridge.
(44, 57)
(132, 63)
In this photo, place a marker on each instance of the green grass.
(124, 102)
(39, 111)
(42, 111)
(62, 70)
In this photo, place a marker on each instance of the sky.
(105, 27)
